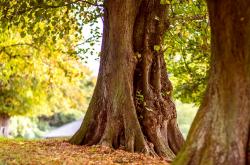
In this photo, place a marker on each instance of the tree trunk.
(220, 132)
(248, 151)
(4, 125)
(131, 106)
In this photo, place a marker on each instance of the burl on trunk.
(131, 106)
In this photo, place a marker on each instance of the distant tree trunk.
(131, 105)
(220, 132)
(4, 125)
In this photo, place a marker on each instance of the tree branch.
(45, 6)
(70, 3)
(197, 17)
(3, 48)
(20, 44)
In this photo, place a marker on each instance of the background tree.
(34, 79)
(46, 24)
(187, 49)
(220, 131)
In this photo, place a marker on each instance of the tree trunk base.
(248, 158)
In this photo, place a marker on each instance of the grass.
(60, 152)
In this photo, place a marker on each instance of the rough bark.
(131, 106)
(248, 151)
(220, 132)
(4, 125)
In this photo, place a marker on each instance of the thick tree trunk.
(220, 132)
(4, 125)
(131, 106)
(248, 151)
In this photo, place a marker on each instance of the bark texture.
(248, 151)
(131, 106)
(220, 132)
(4, 125)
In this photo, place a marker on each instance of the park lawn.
(58, 151)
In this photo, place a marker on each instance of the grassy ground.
(59, 152)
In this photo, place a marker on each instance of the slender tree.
(131, 105)
(4, 124)
(220, 132)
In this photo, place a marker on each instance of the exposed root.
(106, 144)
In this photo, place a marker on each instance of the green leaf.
(157, 48)
(23, 34)
(54, 39)
(165, 2)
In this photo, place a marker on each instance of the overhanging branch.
(45, 6)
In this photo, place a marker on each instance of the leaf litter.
(60, 152)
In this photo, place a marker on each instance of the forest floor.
(60, 152)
